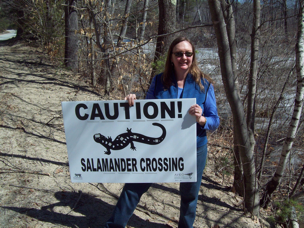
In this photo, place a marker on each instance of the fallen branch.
(55, 117)
(224, 147)
(8, 163)
(22, 171)
(37, 189)
(105, 190)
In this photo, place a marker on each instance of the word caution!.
(150, 110)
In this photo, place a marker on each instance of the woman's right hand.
(130, 98)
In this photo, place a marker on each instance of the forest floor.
(36, 189)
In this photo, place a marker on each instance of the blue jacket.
(205, 98)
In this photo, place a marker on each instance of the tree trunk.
(252, 87)
(285, 18)
(124, 23)
(141, 38)
(166, 24)
(184, 12)
(294, 123)
(93, 75)
(238, 181)
(96, 29)
(107, 44)
(236, 6)
(178, 2)
(255, 37)
(48, 23)
(228, 13)
(241, 131)
(229, 19)
(198, 12)
(144, 20)
(123, 30)
(20, 22)
(71, 36)
(298, 183)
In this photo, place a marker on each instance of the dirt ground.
(36, 190)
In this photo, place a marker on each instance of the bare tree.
(124, 23)
(198, 12)
(294, 123)
(122, 34)
(285, 17)
(252, 87)
(93, 72)
(166, 24)
(241, 130)
(108, 42)
(230, 22)
(144, 20)
(71, 35)
(298, 183)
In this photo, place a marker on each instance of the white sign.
(111, 142)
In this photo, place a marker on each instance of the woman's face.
(182, 56)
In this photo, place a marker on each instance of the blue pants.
(132, 193)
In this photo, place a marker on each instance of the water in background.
(8, 34)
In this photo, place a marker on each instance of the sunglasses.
(180, 54)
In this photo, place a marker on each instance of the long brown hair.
(194, 69)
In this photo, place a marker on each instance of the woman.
(181, 79)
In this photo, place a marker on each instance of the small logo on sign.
(77, 176)
(183, 176)
(189, 174)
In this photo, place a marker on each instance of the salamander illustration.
(124, 139)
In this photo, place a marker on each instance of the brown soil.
(36, 190)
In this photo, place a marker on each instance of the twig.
(8, 163)
(15, 169)
(80, 192)
(218, 145)
(50, 120)
(22, 171)
(37, 189)
(104, 189)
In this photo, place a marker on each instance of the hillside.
(36, 190)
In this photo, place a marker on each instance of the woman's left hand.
(196, 110)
